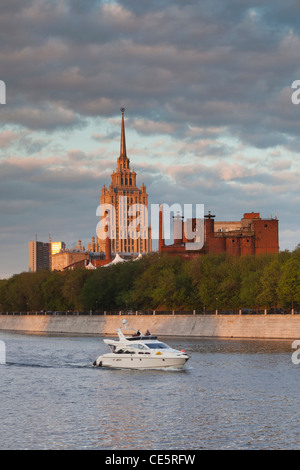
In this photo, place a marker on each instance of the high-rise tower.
(124, 208)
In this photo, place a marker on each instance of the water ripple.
(232, 395)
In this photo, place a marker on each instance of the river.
(232, 394)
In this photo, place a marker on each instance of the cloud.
(47, 116)
(175, 66)
(207, 91)
(7, 137)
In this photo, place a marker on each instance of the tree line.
(206, 282)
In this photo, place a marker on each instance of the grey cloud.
(222, 69)
(180, 57)
(44, 116)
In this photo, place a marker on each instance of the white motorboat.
(140, 352)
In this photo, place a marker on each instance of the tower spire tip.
(123, 142)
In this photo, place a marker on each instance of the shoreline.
(199, 326)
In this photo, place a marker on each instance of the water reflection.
(235, 346)
(233, 394)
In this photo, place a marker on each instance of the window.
(139, 346)
(157, 346)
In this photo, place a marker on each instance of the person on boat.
(148, 333)
(138, 333)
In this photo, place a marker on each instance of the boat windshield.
(157, 346)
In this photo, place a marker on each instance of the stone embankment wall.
(218, 326)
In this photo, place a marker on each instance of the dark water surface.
(233, 394)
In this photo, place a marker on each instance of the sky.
(209, 118)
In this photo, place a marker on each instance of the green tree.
(23, 291)
(53, 292)
(109, 288)
(251, 269)
(206, 279)
(269, 282)
(165, 281)
(229, 285)
(289, 283)
(74, 281)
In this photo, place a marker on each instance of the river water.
(233, 394)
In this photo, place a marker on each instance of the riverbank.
(197, 326)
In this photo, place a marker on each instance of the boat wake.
(50, 366)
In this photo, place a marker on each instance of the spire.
(123, 142)
(123, 160)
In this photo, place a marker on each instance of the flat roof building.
(39, 256)
(252, 235)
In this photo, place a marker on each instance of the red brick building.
(250, 236)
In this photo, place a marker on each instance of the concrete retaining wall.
(219, 326)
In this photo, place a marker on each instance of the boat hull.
(117, 361)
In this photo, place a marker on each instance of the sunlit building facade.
(41, 253)
(124, 209)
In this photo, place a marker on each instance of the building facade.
(62, 260)
(41, 253)
(252, 235)
(39, 256)
(124, 209)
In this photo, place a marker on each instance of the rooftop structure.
(251, 235)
